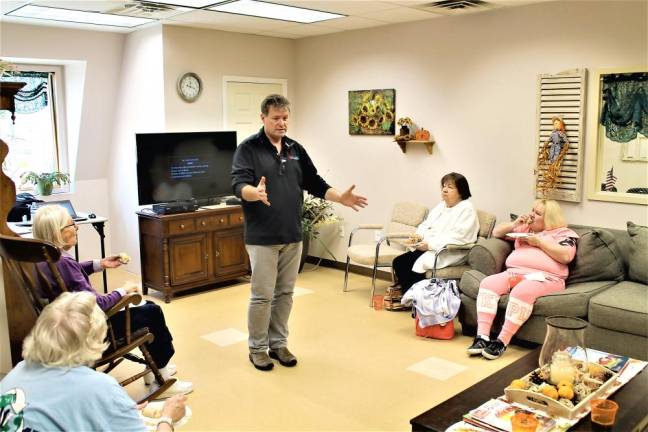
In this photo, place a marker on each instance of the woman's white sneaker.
(168, 371)
(178, 387)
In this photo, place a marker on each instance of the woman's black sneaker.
(494, 350)
(478, 346)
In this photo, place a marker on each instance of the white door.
(243, 106)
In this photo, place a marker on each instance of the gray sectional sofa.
(607, 286)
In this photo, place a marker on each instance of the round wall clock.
(189, 86)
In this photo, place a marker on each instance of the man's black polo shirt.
(287, 175)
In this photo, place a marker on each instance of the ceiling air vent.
(453, 7)
(143, 9)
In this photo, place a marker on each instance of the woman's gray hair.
(49, 220)
(70, 332)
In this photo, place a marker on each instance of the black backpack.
(22, 207)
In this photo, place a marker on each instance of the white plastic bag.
(436, 301)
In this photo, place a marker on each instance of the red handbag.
(437, 331)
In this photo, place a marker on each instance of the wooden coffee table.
(632, 414)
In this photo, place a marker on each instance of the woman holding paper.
(452, 221)
(536, 267)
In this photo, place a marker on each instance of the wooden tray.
(552, 406)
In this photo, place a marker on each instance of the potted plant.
(316, 213)
(44, 182)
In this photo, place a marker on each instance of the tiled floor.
(359, 369)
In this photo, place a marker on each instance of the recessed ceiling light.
(189, 3)
(77, 16)
(274, 11)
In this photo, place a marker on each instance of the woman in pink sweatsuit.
(536, 267)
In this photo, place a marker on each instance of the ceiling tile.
(8, 6)
(281, 35)
(353, 23)
(400, 14)
(346, 7)
(307, 29)
(117, 7)
(229, 20)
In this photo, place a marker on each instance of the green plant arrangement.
(316, 213)
(44, 182)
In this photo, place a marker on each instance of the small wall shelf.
(403, 144)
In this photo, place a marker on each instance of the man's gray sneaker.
(285, 357)
(261, 361)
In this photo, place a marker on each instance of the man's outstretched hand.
(261, 191)
(349, 199)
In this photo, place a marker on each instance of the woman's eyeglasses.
(73, 224)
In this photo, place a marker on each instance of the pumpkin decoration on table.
(422, 135)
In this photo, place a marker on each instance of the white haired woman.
(59, 390)
(53, 223)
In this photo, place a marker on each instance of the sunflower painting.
(371, 112)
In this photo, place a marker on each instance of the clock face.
(189, 87)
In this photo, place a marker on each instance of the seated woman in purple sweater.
(52, 223)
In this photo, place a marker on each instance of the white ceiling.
(360, 14)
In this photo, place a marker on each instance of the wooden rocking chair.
(20, 257)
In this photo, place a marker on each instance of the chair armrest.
(128, 299)
(489, 255)
(369, 226)
(397, 235)
(363, 227)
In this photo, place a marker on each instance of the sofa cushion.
(572, 301)
(597, 258)
(637, 267)
(622, 307)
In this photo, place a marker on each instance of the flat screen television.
(177, 166)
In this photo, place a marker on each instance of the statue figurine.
(558, 139)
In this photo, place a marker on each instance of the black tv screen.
(181, 166)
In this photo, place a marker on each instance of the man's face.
(275, 123)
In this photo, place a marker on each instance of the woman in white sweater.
(452, 221)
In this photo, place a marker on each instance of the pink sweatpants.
(520, 303)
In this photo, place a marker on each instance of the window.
(36, 139)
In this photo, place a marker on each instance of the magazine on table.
(496, 415)
(614, 362)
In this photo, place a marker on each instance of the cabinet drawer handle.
(206, 257)
(222, 220)
(203, 223)
(216, 254)
(182, 226)
(240, 218)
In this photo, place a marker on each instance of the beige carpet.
(359, 369)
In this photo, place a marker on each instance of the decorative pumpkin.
(422, 135)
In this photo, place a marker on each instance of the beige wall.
(471, 81)
(212, 55)
(140, 108)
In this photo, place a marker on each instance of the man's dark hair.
(460, 182)
(274, 100)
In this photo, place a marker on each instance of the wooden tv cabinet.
(190, 250)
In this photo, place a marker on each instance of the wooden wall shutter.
(563, 95)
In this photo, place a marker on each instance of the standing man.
(270, 173)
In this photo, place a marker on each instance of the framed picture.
(372, 112)
(618, 159)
